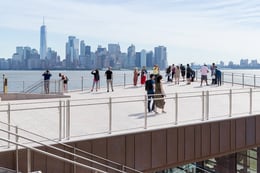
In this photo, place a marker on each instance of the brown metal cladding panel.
(53, 164)
(172, 145)
(224, 132)
(214, 138)
(130, 151)
(116, 150)
(181, 144)
(233, 134)
(143, 151)
(159, 152)
(85, 146)
(198, 141)
(68, 166)
(250, 131)
(189, 143)
(205, 139)
(22, 157)
(257, 129)
(240, 133)
(39, 161)
(99, 147)
(8, 161)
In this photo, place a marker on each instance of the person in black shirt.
(46, 75)
(109, 76)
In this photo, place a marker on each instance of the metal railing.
(114, 114)
(82, 83)
(77, 154)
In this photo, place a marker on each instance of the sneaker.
(163, 112)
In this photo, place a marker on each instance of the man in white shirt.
(204, 74)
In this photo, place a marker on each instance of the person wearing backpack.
(149, 87)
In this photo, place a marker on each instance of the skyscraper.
(43, 42)
(72, 52)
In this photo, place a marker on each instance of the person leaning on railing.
(65, 79)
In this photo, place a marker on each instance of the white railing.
(82, 83)
(87, 117)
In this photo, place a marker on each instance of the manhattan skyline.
(193, 31)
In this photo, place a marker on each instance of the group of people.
(46, 79)
(173, 73)
(215, 74)
(96, 79)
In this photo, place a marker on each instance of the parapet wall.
(26, 96)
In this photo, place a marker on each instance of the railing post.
(254, 81)
(124, 80)
(223, 78)
(23, 86)
(110, 115)
(68, 119)
(145, 111)
(232, 79)
(16, 150)
(29, 160)
(82, 83)
(60, 120)
(207, 105)
(196, 75)
(9, 122)
(64, 119)
(55, 87)
(250, 101)
(203, 105)
(243, 80)
(230, 103)
(176, 108)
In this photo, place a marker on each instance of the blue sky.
(200, 31)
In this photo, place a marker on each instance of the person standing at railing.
(183, 71)
(149, 87)
(213, 73)
(96, 79)
(177, 75)
(218, 76)
(159, 94)
(46, 77)
(64, 80)
(143, 75)
(109, 76)
(156, 71)
(136, 74)
(204, 74)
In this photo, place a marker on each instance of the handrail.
(52, 155)
(65, 145)
(73, 154)
(33, 87)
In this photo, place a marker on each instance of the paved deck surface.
(89, 111)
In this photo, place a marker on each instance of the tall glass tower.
(43, 42)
